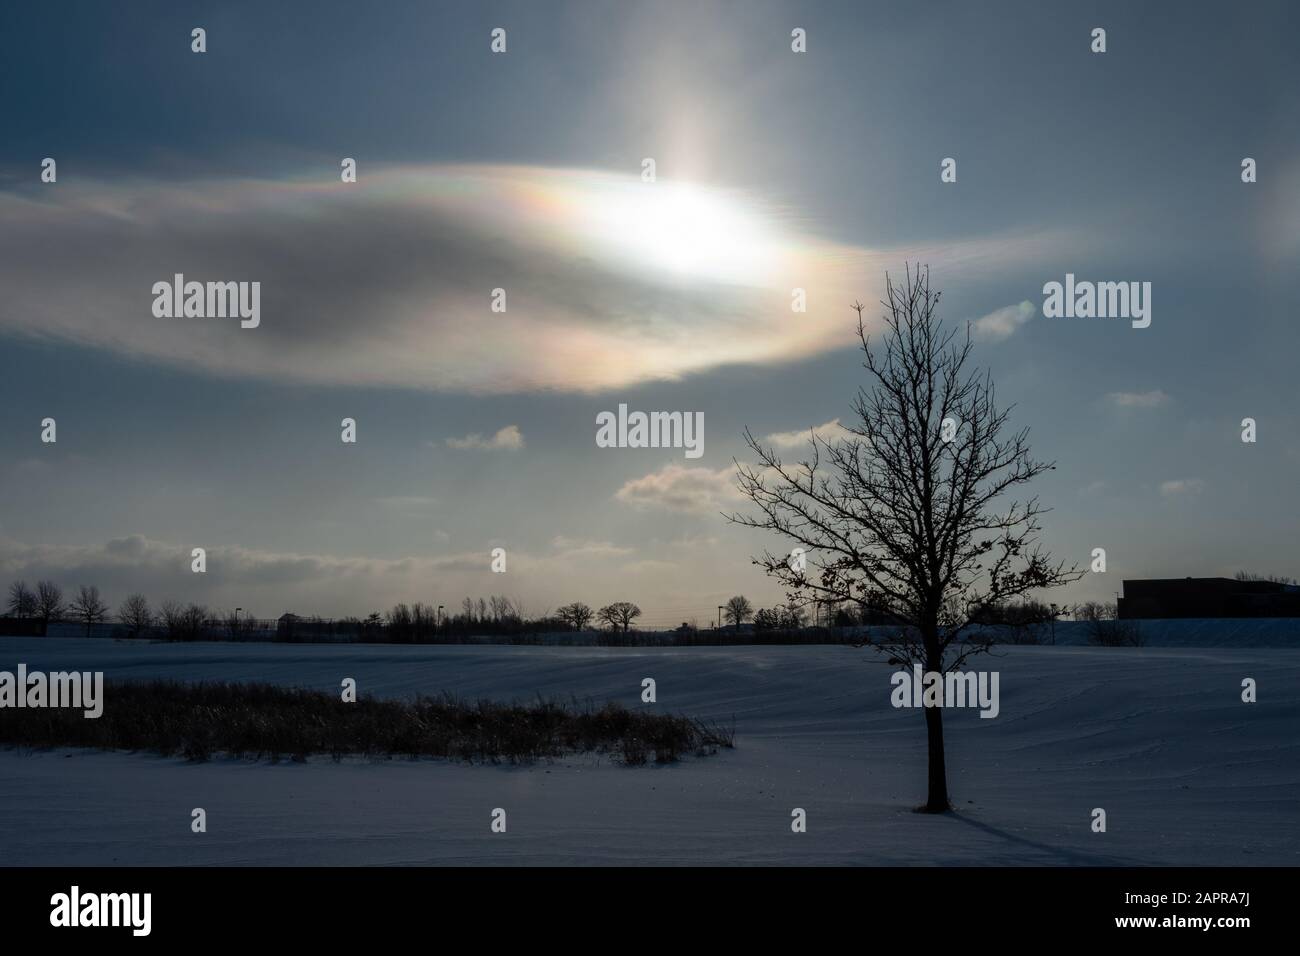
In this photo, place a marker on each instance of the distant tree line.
(417, 623)
(504, 617)
(46, 604)
(1269, 578)
(135, 615)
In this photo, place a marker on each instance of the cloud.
(133, 547)
(829, 431)
(694, 542)
(608, 281)
(1152, 399)
(508, 437)
(1181, 487)
(678, 488)
(267, 582)
(1003, 323)
(138, 556)
(567, 548)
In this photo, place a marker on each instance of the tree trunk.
(937, 796)
(937, 799)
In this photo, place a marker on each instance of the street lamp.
(1054, 613)
(720, 607)
(237, 610)
(439, 620)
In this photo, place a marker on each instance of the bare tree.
(787, 617)
(738, 610)
(194, 620)
(577, 615)
(619, 615)
(22, 600)
(183, 622)
(424, 622)
(239, 623)
(135, 614)
(87, 607)
(1106, 628)
(401, 624)
(908, 510)
(49, 601)
(792, 616)
(173, 619)
(1090, 611)
(501, 607)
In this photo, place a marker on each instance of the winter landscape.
(1157, 735)
(667, 434)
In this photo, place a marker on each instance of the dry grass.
(261, 721)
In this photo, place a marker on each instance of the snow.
(1187, 773)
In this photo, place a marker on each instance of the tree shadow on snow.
(1062, 855)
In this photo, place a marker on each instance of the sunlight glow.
(682, 229)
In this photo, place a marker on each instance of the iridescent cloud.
(609, 281)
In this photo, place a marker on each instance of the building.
(1208, 597)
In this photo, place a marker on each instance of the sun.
(695, 232)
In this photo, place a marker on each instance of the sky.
(523, 171)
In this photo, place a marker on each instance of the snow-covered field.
(1159, 737)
